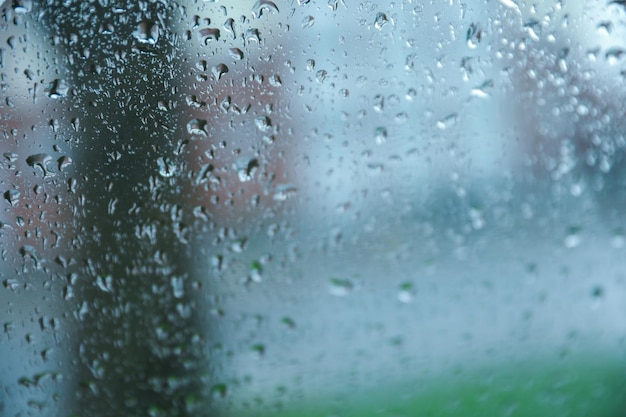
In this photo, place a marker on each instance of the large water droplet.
(12, 196)
(261, 6)
(209, 34)
(39, 160)
(57, 88)
(197, 127)
(147, 32)
(219, 70)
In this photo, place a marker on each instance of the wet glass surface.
(312, 208)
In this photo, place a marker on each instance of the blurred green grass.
(594, 387)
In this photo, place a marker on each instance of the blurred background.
(323, 208)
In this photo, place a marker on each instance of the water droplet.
(447, 121)
(63, 162)
(166, 168)
(57, 89)
(340, 287)
(406, 293)
(261, 6)
(208, 34)
(275, 81)
(219, 391)
(381, 20)
(310, 65)
(482, 91)
(573, 238)
(147, 32)
(474, 35)
(263, 123)
(235, 53)
(12, 196)
(613, 55)
(477, 219)
(246, 168)
(284, 192)
(22, 6)
(197, 127)
(256, 271)
(308, 21)
(229, 26)
(178, 287)
(380, 134)
(288, 321)
(39, 160)
(219, 70)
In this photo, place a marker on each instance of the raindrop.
(381, 20)
(12, 196)
(307, 22)
(219, 391)
(229, 26)
(147, 32)
(261, 6)
(275, 81)
(482, 91)
(340, 287)
(57, 88)
(474, 35)
(219, 70)
(263, 123)
(573, 238)
(406, 293)
(39, 160)
(166, 168)
(380, 135)
(209, 34)
(63, 162)
(22, 6)
(246, 168)
(284, 192)
(235, 53)
(197, 127)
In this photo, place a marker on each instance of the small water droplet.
(308, 21)
(573, 238)
(340, 287)
(246, 168)
(406, 293)
(381, 20)
(284, 192)
(380, 135)
(197, 127)
(219, 391)
(263, 123)
(474, 35)
(275, 81)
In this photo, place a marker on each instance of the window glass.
(281, 208)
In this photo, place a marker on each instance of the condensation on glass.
(277, 208)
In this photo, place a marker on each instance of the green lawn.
(583, 388)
